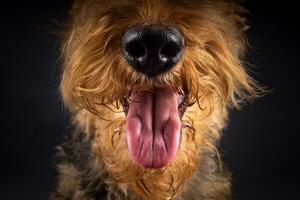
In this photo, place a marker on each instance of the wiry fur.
(95, 162)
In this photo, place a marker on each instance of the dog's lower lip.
(125, 104)
(182, 102)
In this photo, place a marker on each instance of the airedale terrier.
(149, 84)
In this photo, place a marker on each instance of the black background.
(260, 143)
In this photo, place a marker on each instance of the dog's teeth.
(181, 100)
(117, 130)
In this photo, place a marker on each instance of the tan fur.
(96, 77)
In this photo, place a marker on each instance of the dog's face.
(158, 75)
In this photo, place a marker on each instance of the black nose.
(153, 49)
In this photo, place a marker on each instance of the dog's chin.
(153, 126)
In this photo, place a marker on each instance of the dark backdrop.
(260, 143)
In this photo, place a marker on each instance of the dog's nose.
(153, 49)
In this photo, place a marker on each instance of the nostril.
(169, 50)
(136, 49)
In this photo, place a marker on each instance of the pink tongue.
(153, 127)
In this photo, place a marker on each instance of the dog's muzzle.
(153, 49)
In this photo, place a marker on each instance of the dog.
(149, 84)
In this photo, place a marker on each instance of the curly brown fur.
(95, 162)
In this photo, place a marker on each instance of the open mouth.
(153, 126)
